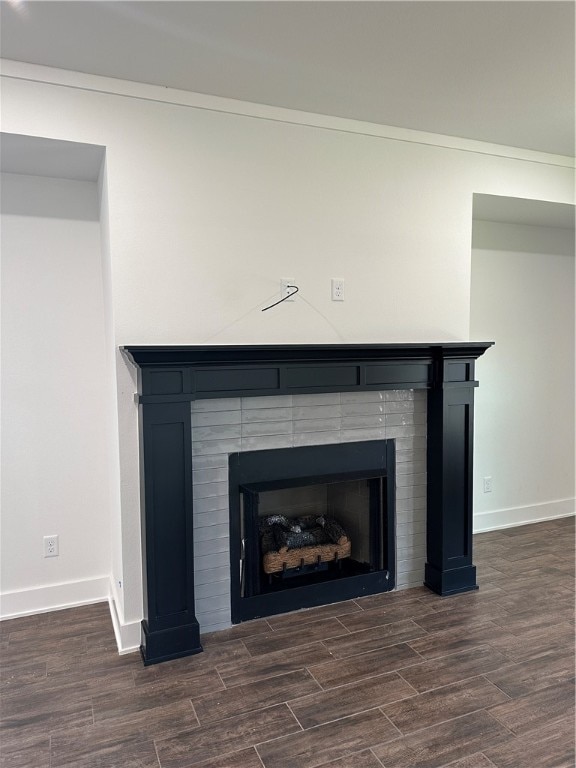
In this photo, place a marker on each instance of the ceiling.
(500, 72)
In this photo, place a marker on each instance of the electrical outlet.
(337, 289)
(487, 485)
(285, 290)
(51, 548)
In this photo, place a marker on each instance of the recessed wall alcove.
(171, 378)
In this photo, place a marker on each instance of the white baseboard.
(533, 513)
(127, 634)
(55, 597)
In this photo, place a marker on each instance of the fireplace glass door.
(301, 537)
(311, 529)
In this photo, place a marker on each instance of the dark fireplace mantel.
(171, 377)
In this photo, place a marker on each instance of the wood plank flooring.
(403, 680)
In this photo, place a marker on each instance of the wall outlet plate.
(487, 484)
(51, 546)
(337, 289)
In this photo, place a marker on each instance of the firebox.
(310, 526)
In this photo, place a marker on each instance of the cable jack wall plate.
(285, 290)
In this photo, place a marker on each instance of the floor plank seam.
(295, 716)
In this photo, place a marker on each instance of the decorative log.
(276, 562)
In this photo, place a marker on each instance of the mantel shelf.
(177, 373)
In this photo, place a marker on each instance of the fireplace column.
(170, 629)
(449, 568)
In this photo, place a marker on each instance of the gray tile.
(210, 546)
(363, 422)
(215, 446)
(218, 432)
(209, 628)
(210, 504)
(214, 507)
(211, 461)
(224, 404)
(211, 518)
(406, 568)
(363, 397)
(327, 398)
(208, 490)
(402, 419)
(400, 394)
(411, 443)
(362, 409)
(266, 414)
(410, 580)
(212, 604)
(266, 442)
(404, 542)
(267, 428)
(211, 532)
(408, 517)
(352, 435)
(316, 425)
(274, 401)
(407, 529)
(316, 438)
(316, 412)
(409, 455)
(412, 492)
(410, 505)
(410, 467)
(212, 418)
(210, 575)
(207, 620)
(409, 566)
(408, 430)
(217, 475)
(412, 553)
(400, 406)
(216, 560)
(405, 480)
(211, 589)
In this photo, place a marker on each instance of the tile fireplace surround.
(199, 404)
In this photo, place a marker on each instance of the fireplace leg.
(449, 568)
(170, 628)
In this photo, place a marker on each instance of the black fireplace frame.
(171, 377)
(370, 460)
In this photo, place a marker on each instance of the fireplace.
(187, 481)
(310, 525)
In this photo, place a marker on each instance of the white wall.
(523, 299)
(212, 202)
(55, 473)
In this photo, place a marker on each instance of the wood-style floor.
(402, 680)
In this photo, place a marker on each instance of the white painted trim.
(514, 516)
(54, 597)
(18, 70)
(127, 635)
